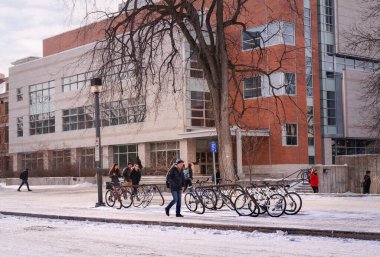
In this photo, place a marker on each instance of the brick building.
(4, 130)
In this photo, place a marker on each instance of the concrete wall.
(333, 178)
(52, 181)
(357, 165)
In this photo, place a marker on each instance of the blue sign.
(213, 146)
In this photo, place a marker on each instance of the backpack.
(186, 173)
(22, 175)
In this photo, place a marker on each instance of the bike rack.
(155, 188)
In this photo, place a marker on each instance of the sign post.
(214, 149)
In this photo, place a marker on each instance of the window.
(196, 70)
(331, 108)
(20, 127)
(201, 109)
(123, 112)
(19, 95)
(329, 15)
(163, 154)
(289, 135)
(251, 40)
(87, 157)
(310, 125)
(290, 83)
(78, 118)
(274, 33)
(43, 123)
(41, 108)
(61, 159)
(33, 161)
(252, 87)
(76, 82)
(330, 49)
(122, 154)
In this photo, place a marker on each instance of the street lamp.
(96, 88)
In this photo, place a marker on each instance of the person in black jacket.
(176, 181)
(114, 174)
(135, 176)
(127, 172)
(366, 182)
(24, 177)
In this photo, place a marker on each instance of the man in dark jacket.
(367, 182)
(24, 177)
(135, 176)
(176, 181)
(127, 172)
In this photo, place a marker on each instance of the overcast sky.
(25, 23)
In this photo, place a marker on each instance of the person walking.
(176, 180)
(135, 177)
(24, 177)
(314, 180)
(114, 174)
(188, 174)
(367, 182)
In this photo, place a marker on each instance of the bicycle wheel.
(126, 199)
(276, 205)
(110, 198)
(191, 202)
(209, 198)
(137, 198)
(243, 205)
(219, 201)
(148, 196)
(293, 203)
(232, 196)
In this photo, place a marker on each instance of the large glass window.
(201, 109)
(78, 118)
(43, 123)
(163, 154)
(87, 157)
(76, 82)
(41, 108)
(20, 127)
(122, 154)
(331, 108)
(270, 34)
(32, 161)
(123, 112)
(289, 134)
(252, 87)
(61, 159)
(196, 70)
(329, 15)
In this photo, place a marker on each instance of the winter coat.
(135, 176)
(175, 178)
(313, 179)
(367, 181)
(24, 175)
(114, 175)
(126, 173)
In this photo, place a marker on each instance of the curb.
(243, 228)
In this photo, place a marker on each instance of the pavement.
(345, 215)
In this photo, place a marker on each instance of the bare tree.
(363, 39)
(141, 46)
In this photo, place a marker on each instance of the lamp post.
(96, 88)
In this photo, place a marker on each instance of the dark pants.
(187, 184)
(176, 200)
(24, 182)
(315, 189)
(365, 190)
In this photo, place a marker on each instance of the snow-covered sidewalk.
(344, 213)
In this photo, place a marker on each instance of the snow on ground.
(332, 212)
(20, 236)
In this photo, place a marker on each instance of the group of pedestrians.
(131, 175)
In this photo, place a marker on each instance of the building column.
(143, 151)
(47, 155)
(239, 153)
(107, 157)
(188, 150)
(16, 165)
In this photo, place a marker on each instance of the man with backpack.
(175, 180)
(24, 177)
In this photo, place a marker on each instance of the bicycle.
(117, 193)
(193, 202)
